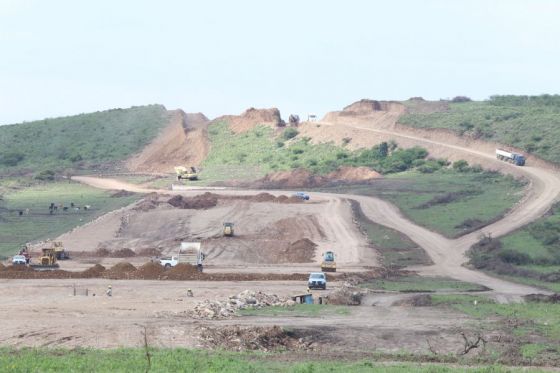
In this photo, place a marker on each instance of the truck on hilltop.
(515, 158)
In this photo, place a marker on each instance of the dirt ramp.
(251, 118)
(302, 178)
(183, 142)
(366, 107)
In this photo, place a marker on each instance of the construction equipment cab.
(328, 264)
(186, 173)
(228, 229)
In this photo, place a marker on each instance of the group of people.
(54, 207)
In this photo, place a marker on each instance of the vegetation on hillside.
(530, 254)
(254, 153)
(84, 141)
(449, 200)
(530, 123)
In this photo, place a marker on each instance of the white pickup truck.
(189, 253)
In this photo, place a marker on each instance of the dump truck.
(228, 229)
(186, 173)
(47, 259)
(328, 264)
(515, 158)
(189, 253)
(60, 251)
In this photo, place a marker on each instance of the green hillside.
(530, 123)
(84, 141)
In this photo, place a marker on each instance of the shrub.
(289, 133)
(279, 144)
(461, 99)
(11, 159)
(514, 257)
(46, 175)
(461, 165)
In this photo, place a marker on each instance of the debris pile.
(208, 309)
(346, 295)
(267, 338)
(93, 272)
(120, 270)
(419, 300)
(149, 271)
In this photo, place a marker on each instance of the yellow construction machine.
(228, 229)
(60, 251)
(186, 173)
(328, 264)
(47, 259)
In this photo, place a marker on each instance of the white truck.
(189, 253)
(515, 158)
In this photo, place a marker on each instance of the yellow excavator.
(328, 264)
(47, 259)
(186, 173)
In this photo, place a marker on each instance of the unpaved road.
(447, 254)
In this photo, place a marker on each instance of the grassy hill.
(531, 123)
(84, 141)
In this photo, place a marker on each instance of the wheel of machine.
(167, 266)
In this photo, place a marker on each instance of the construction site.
(239, 268)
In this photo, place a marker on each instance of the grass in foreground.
(299, 310)
(413, 284)
(16, 230)
(182, 360)
(447, 201)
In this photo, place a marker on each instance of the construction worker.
(109, 291)
(190, 293)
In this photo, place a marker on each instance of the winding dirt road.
(447, 254)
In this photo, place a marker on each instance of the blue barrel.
(308, 298)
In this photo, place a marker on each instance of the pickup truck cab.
(317, 280)
(19, 260)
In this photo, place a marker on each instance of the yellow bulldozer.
(328, 264)
(186, 173)
(47, 259)
(228, 229)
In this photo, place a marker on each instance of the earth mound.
(367, 106)
(302, 178)
(203, 201)
(149, 271)
(93, 272)
(252, 117)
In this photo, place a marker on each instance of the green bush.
(461, 165)
(514, 257)
(11, 159)
(46, 175)
(289, 133)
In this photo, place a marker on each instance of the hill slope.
(84, 141)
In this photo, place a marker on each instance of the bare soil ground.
(46, 313)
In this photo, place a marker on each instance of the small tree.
(383, 149)
(461, 165)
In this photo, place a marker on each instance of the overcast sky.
(221, 57)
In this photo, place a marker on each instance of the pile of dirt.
(149, 202)
(149, 271)
(366, 107)
(121, 270)
(251, 118)
(420, 300)
(149, 251)
(93, 272)
(543, 298)
(121, 193)
(351, 174)
(184, 141)
(300, 251)
(183, 271)
(302, 178)
(122, 253)
(2, 267)
(346, 295)
(203, 201)
(208, 309)
(266, 338)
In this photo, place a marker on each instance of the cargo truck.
(515, 158)
(189, 253)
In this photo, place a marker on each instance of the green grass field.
(530, 255)
(299, 310)
(182, 360)
(447, 201)
(395, 248)
(415, 284)
(80, 142)
(16, 230)
(528, 123)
